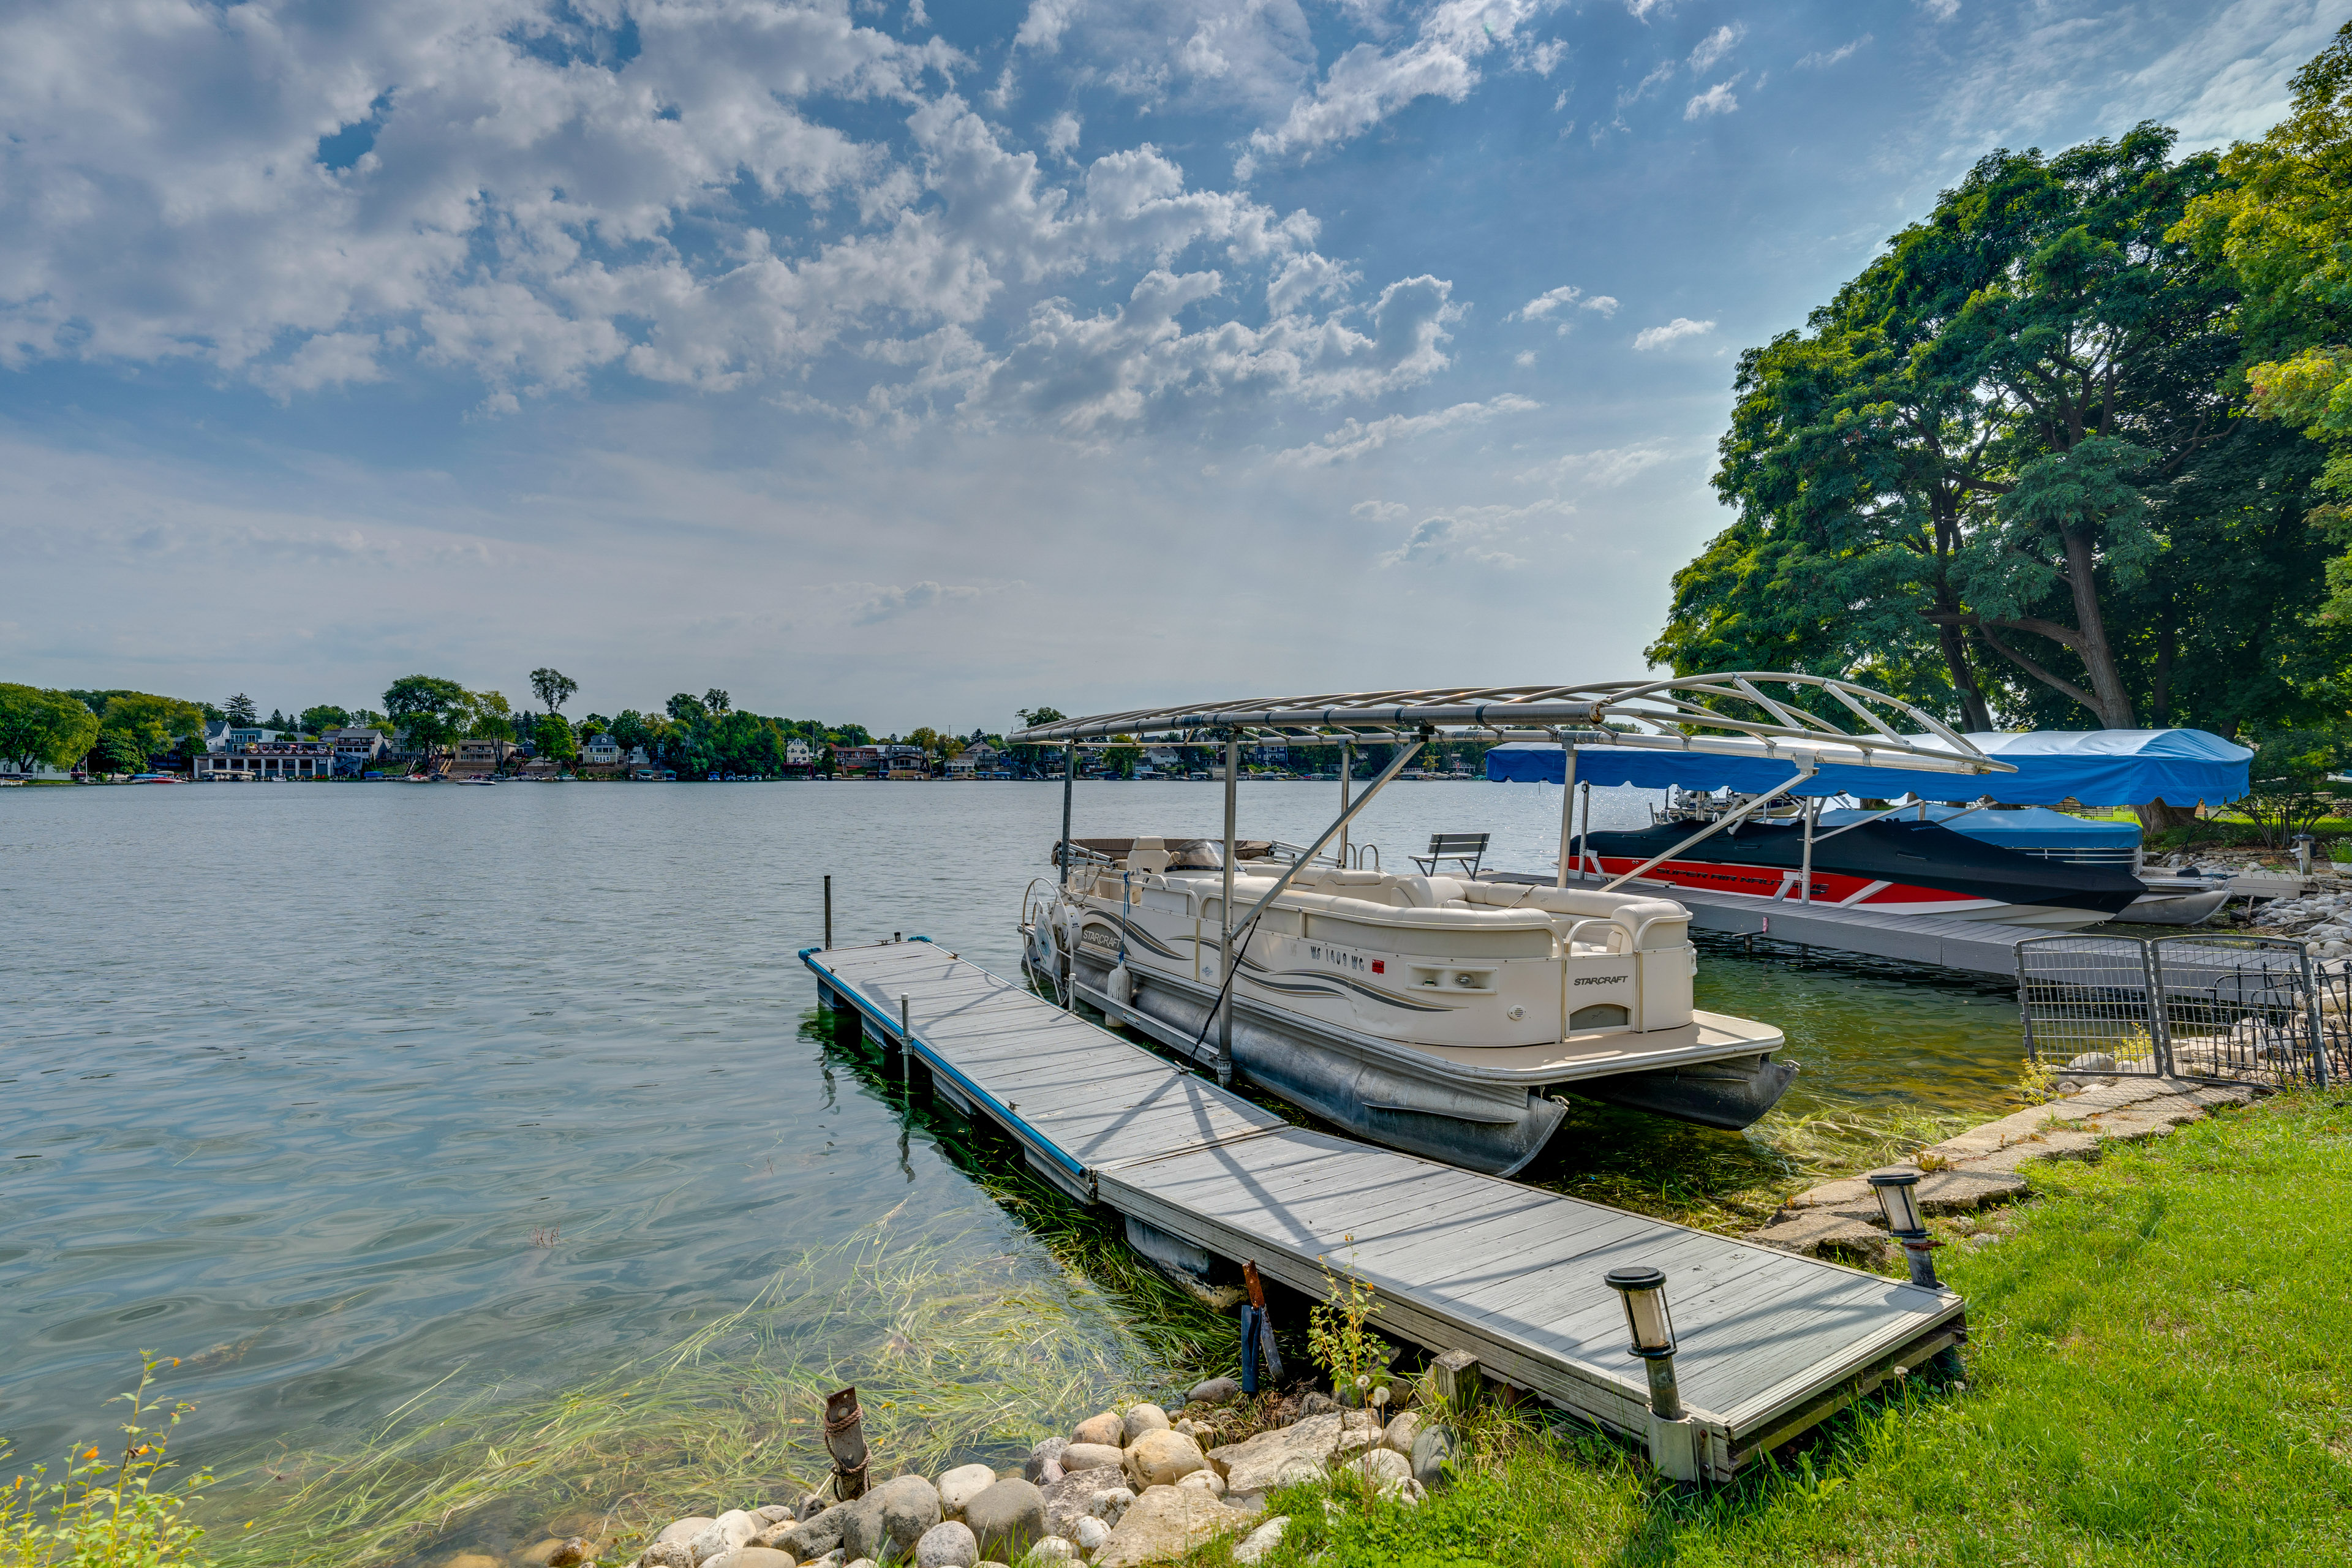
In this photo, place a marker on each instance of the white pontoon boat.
(1441, 1014)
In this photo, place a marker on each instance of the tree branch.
(2064, 688)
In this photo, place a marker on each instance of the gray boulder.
(949, 1545)
(1047, 1453)
(1143, 1419)
(812, 1537)
(889, 1519)
(1007, 1519)
(1215, 1391)
(1066, 1500)
(1431, 1450)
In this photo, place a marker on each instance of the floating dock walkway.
(1770, 1344)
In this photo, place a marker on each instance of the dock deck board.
(1459, 1260)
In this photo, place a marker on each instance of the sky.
(912, 363)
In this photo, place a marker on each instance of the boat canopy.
(2097, 767)
(2021, 827)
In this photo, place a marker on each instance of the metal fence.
(2227, 1008)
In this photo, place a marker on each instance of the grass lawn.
(2160, 1373)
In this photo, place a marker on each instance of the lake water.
(338, 1093)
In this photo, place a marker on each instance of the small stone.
(1006, 1518)
(889, 1519)
(1140, 1419)
(1047, 1456)
(1384, 1468)
(573, 1552)
(724, 1534)
(775, 1512)
(1261, 1541)
(666, 1554)
(1317, 1403)
(1110, 1505)
(684, 1530)
(950, 1544)
(1052, 1549)
(1430, 1451)
(2092, 1062)
(473, 1560)
(1213, 1390)
(1207, 1480)
(759, 1557)
(811, 1505)
(539, 1553)
(1190, 1427)
(1401, 1432)
(962, 1484)
(1106, 1429)
(1162, 1457)
(1090, 1457)
(1165, 1523)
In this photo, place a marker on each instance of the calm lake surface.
(337, 1092)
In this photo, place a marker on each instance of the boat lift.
(1736, 716)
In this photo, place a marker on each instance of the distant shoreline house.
(799, 757)
(601, 753)
(268, 760)
(478, 758)
(896, 761)
(357, 749)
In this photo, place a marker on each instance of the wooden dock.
(1771, 1342)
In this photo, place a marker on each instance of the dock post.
(828, 914)
(1225, 923)
(906, 1042)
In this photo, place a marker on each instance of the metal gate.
(2227, 1008)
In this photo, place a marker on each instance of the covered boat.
(1948, 855)
(1444, 1015)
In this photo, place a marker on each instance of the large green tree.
(2004, 469)
(39, 726)
(554, 687)
(429, 711)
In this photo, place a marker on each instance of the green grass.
(2160, 1373)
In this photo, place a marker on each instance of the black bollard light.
(1898, 1200)
(845, 1439)
(1643, 1291)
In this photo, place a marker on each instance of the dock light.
(1643, 1291)
(1898, 1200)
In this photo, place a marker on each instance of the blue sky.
(913, 365)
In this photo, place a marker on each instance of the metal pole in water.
(906, 1040)
(828, 914)
(1225, 923)
(1069, 777)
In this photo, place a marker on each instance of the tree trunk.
(1974, 714)
(2114, 703)
(2155, 816)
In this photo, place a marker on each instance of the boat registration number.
(1318, 953)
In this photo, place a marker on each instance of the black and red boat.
(1886, 867)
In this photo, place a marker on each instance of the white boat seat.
(1148, 855)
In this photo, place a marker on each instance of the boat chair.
(1464, 849)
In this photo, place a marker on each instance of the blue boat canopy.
(2023, 827)
(2096, 767)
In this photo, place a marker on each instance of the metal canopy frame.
(1735, 713)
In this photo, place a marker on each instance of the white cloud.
(1681, 327)
(1630, 96)
(1524, 358)
(1717, 99)
(1716, 45)
(1609, 466)
(1940, 10)
(1819, 61)
(1355, 439)
(1367, 83)
(1088, 371)
(871, 601)
(1473, 534)
(1560, 300)
(1047, 20)
(1062, 134)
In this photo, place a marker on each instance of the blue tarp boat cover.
(2096, 767)
(2026, 828)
